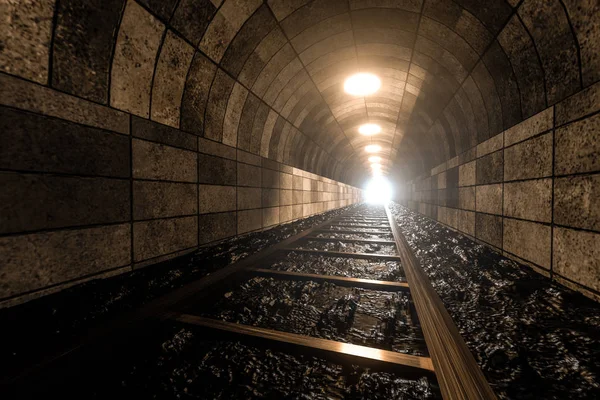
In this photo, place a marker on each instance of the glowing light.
(378, 190)
(376, 166)
(369, 129)
(362, 84)
(373, 148)
(374, 159)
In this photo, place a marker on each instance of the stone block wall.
(89, 191)
(532, 192)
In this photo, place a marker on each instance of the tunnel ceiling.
(267, 77)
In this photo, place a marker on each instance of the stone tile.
(490, 168)
(25, 35)
(31, 97)
(285, 197)
(214, 199)
(466, 222)
(270, 178)
(217, 105)
(249, 220)
(285, 214)
(216, 149)
(224, 26)
(550, 28)
(163, 8)
(157, 161)
(77, 67)
(248, 198)
(441, 180)
(577, 256)
(233, 114)
(285, 181)
(192, 17)
(297, 211)
(156, 132)
(163, 199)
(33, 202)
(520, 48)
(169, 79)
(217, 226)
(532, 126)
(579, 105)
(248, 175)
(529, 159)
(491, 145)
(297, 196)
(34, 261)
(582, 15)
(488, 228)
(248, 158)
(247, 121)
(489, 199)
(163, 236)
(32, 142)
(195, 95)
(577, 201)
(578, 147)
(466, 174)
(140, 35)
(530, 200)
(250, 35)
(528, 240)
(270, 216)
(466, 198)
(452, 178)
(216, 170)
(270, 197)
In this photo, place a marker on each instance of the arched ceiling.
(267, 76)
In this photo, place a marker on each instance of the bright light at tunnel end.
(378, 190)
(362, 84)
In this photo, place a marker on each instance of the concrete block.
(530, 200)
(249, 220)
(530, 159)
(578, 146)
(577, 201)
(33, 202)
(214, 199)
(490, 168)
(163, 199)
(528, 240)
(249, 198)
(488, 228)
(577, 256)
(217, 170)
(489, 199)
(38, 260)
(163, 236)
(217, 226)
(160, 162)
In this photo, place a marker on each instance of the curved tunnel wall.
(118, 112)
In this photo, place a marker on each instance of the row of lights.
(360, 85)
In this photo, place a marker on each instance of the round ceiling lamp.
(369, 129)
(362, 84)
(374, 159)
(376, 166)
(373, 148)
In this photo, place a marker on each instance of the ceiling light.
(373, 148)
(362, 84)
(369, 129)
(374, 159)
(376, 166)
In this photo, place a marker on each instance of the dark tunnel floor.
(532, 338)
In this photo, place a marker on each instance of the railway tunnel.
(192, 206)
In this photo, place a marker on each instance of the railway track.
(364, 227)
